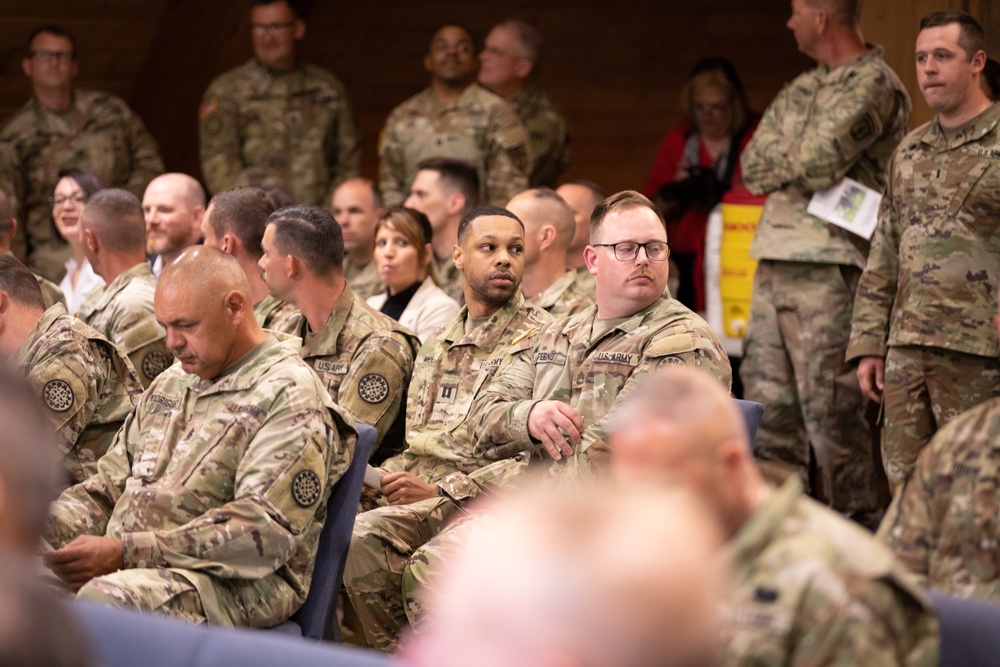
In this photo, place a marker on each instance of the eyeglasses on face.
(261, 29)
(79, 199)
(44, 56)
(626, 251)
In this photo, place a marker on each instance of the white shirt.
(87, 282)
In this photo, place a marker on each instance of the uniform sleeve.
(499, 415)
(144, 155)
(219, 141)
(282, 480)
(762, 161)
(877, 287)
(391, 181)
(346, 158)
(508, 160)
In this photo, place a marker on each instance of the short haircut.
(598, 192)
(116, 219)
(456, 176)
(531, 41)
(52, 29)
(621, 201)
(281, 197)
(970, 35)
(372, 188)
(483, 211)
(311, 234)
(6, 212)
(297, 7)
(453, 24)
(557, 213)
(243, 212)
(19, 283)
(717, 72)
(416, 228)
(846, 12)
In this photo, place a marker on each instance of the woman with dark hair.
(404, 259)
(73, 189)
(697, 162)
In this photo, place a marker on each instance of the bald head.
(542, 206)
(204, 273)
(649, 597)
(114, 217)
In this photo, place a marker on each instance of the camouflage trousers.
(157, 590)
(925, 388)
(383, 541)
(794, 363)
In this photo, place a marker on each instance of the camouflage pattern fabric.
(450, 278)
(294, 130)
(51, 294)
(87, 384)
(277, 315)
(794, 365)
(568, 295)
(99, 132)
(160, 590)
(363, 280)
(478, 127)
(943, 525)
(548, 132)
(222, 481)
(123, 312)
(823, 126)
(364, 359)
(810, 588)
(925, 388)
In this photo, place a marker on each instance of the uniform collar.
(487, 335)
(764, 526)
(47, 320)
(586, 318)
(244, 372)
(105, 296)
(969, 132)
(324, 342)
(554, 292)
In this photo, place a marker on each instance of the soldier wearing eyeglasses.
(63, 127)
(275, 120)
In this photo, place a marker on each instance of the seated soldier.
(234, 223)
(451, 369)
(363, 357)
(113, 234)
(87, 384)
(810, 587)
(51, 294)
(210, 502)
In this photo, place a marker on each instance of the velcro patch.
(671, 345)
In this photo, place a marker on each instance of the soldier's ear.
(458, 256)
(523, 68)
(428, 64)
(300, 29)
(455, 203)
(590, 258)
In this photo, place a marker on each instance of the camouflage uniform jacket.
(592, 376)
(943, 526)
(123, 311)
(568, 295)
(823, 126)
(478, 127)
(99, 132)
(277, 315)
(87, 384)
(294, 130)
(225, 481)
(450, 278)
(548, 132)
(451, 371)
(812, 588)
(934, 270)
(363, 280)
(364, 359)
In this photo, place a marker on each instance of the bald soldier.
(234, 223)
(548, 231)
(113, 235)
(210, 502)
(51, 294)
(809, 587)
(582, 197)
(455, 118)
(87, 384)
(508, 66)
(363, 357)
(357, 206)
(173, 205)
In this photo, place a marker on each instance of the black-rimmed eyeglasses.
(627, 251)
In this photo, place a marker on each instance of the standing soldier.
(454, 118)
(923, 321)
(842, 119)
(276, 120)
(62, 127)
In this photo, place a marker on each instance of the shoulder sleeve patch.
(373, 388)
(58, 395)
(671, 345)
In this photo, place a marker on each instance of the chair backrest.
(315, 616)
(752, 413)
(970, 631)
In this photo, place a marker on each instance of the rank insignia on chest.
(447, 393)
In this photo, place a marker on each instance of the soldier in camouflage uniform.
(210, 503)
(548, 230)
(445, 190)
(808, 586)
(842, 119)
(508, 64)
(458, 119)
(62, 127)
(357, 206)
(112, 230)
(922, 324)
(424, 485)
(87, 384)
(234, 223)
(276, 120)
(363, 357)
(582, 197)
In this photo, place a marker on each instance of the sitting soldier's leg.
(157, 590)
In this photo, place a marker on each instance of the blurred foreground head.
(606, 578)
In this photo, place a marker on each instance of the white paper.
(373, 478)
(849, 205)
